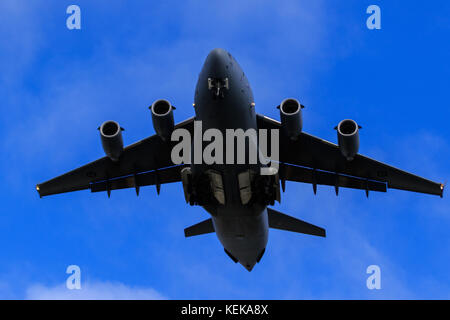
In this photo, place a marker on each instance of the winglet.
(442, 190)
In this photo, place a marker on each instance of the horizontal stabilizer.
(278, 220)
(203, 227)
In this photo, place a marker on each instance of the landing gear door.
(186, 179)
(216, 181)
(245, 186)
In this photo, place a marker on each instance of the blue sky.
(58, 85)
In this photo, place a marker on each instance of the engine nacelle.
(348, 138)
(162, 118)
(112, 142)
(291, 117)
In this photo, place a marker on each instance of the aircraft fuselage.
(224, 100)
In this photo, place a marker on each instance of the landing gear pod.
(186, 179)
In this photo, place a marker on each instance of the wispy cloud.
(92, 291)
(115, 67)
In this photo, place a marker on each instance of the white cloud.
(21, 39)
(92, 291)
(82, 94)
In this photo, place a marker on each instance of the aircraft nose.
(216, 62)
(217, 55)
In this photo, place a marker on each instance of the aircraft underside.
(236, 194)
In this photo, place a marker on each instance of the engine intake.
(291, 117)
(112, 142)
(162, 118)
(348, 138)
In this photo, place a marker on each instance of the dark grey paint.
(242, 230)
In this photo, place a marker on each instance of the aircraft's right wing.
(143, 163)
(315, 154)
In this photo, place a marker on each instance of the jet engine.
(348, 138)
(112, 142)
(291, 117)
(162, 118)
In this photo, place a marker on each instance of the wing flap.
(155, 177)
(320, 177)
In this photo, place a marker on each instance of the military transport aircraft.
(236, 195)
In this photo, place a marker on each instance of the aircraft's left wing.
(317, 154)
(146, 162)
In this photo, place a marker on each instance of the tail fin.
(278, 220)
(199, 228)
